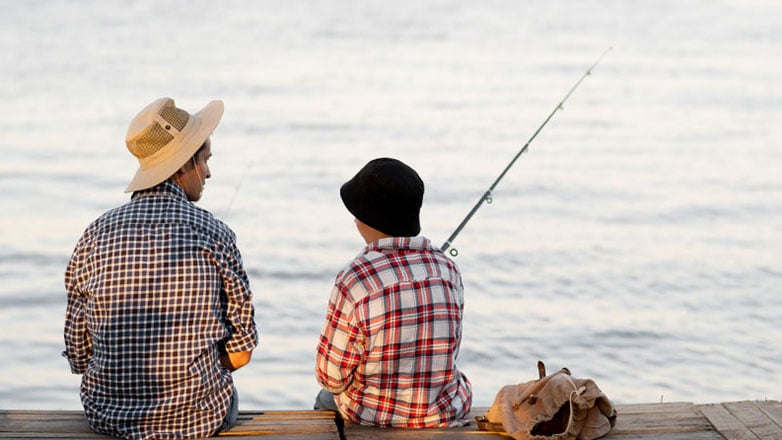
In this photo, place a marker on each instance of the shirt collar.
(418, 243)
(166, 188)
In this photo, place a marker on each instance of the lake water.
(638, 242)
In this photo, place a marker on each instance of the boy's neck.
(369, 233)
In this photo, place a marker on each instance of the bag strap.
(530, 392)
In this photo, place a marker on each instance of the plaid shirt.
(392, 333)
(156, 289)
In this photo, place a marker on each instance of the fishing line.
(238, 187)
(487, 195)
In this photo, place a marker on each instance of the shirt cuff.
(241, 343)
(78, 366)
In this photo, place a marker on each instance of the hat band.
(169, 127)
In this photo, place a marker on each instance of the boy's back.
(389, 345)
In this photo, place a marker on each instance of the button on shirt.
(393, 328)
(156, 288)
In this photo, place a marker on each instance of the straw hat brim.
(166, 162)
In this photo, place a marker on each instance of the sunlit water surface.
(637, 243)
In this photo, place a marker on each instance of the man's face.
(192, 176)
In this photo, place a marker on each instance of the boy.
(387, 352)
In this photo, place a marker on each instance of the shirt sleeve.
(240, 313)
(78, 344)
(341, 347)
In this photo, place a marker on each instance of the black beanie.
(386, 194)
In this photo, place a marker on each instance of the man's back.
(149, 287)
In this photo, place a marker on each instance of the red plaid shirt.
(389, 345)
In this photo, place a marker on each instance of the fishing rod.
(487, 195)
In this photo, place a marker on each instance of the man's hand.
(235, 361)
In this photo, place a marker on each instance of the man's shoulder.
(109, 217)
(151, 210)
(215, 226)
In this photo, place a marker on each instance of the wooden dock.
(749, 420)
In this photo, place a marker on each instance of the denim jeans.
(233, 412)
(325, 400)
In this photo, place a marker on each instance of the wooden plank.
(689, 420)
(751, 416)
(45, 424)
(467, 433)
(651, 435)
(270, 425)
(773, 409)
(663, 421)
(53, 436)
(285, 424)
(649, 408)
(658, 421)
(726, 423)
(649, 424)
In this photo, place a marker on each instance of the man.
(387, 351)
(159, 305)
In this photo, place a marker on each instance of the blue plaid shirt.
(156, 289)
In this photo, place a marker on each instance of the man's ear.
(184, 168)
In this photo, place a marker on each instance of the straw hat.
(164, 137)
